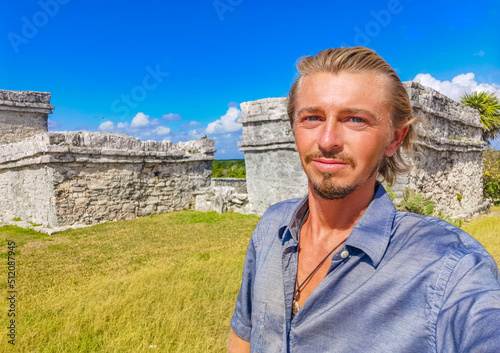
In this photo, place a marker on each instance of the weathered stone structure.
(224, 195)
(80, 178)
(239, 184)
(222, 199)
(448, 169)
(273, 169)
(70, 178)
(23, 114)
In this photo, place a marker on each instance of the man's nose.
(331, 137)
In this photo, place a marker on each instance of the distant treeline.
(228, 168)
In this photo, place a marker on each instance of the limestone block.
(203, 203)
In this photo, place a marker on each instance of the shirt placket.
(289, 271)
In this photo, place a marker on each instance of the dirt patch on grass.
(33, 246)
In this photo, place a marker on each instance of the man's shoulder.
(440, 235)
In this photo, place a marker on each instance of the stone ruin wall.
(273, 169)
(239, 184)
(23, 114)
(449, 162)
(448, 168)
(80, 178)
(70, 178)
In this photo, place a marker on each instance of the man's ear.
(398, 137)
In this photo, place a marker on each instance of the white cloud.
(227, 145)
(195, 134)
(459, 85)
(479, 53)
(171, 117)
(106, 126)
(141, 127)
(161, 130)
(191, 124)
(141, 120)
(226, 123)
(52, 125)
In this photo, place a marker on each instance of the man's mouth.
(329, 164)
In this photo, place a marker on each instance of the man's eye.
(311, 118)
(356, 120)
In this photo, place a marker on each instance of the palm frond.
(489, 110)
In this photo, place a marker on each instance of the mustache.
(340, 156)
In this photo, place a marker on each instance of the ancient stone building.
(23, 114)
(80, 178)
(448, 169)
(71, 178)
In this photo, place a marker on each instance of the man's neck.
(327, 217)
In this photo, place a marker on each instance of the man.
(341, 270)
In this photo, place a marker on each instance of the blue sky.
(177, 70)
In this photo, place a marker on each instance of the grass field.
(487, 231)
(168, 282)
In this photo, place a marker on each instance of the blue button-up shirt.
(408, 284)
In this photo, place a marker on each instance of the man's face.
(342, 131)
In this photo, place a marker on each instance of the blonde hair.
(364, 60)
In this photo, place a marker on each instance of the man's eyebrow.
(348, 111)
(310, 110)
(357, 111)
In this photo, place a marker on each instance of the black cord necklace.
(296, 293)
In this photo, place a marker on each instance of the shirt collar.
(371, 233)
(291, 224)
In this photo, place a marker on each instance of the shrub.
(416, 203)
(456, 222)
(491, 174)
(390, 193)
(413, 202)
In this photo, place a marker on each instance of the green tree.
(489, 108)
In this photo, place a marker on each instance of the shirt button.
(344, 254)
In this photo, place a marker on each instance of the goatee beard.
(327, 190)
(332, 192)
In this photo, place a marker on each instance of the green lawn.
(168, 281)
(487, 231)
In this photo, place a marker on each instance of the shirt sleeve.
(241, 322)
(469, 318)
